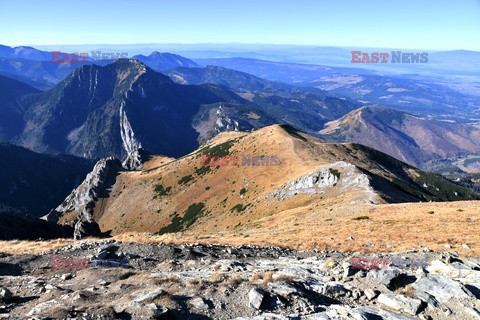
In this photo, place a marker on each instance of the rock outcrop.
(135, 159)
(82, 199)
(95, 185)
(340, 174)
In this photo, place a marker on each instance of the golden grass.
(195, 282)
(33, 247)
(234, 280)
(217, 277)
(266, 277)
(390, 227)
(403, 226)
(408, 291)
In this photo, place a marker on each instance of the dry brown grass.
(403, 226)
(218, 277)
(33, 247)
(234, 280)
(407, 290)
(171, 278)
(195, 283)
(304, 222)
(264, 278)
(391, 228)
(283, 277)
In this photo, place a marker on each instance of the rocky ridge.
(83, 198)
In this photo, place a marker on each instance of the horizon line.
(230, 43)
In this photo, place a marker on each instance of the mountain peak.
(156, 54)
(121, 73)
(406, 137)
(163, 61)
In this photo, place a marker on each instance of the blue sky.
(420, 24)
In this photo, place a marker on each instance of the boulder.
(400, 302)
(255, 298)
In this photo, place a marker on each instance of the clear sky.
(422, 24)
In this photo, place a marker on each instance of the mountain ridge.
(182, 194)
(409, 138)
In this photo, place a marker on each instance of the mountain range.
(441, 99)
(35, 67)
(24, 52)
(172, 195)
(158, 124)
(112, 110)
(101, 111)
(407, 137)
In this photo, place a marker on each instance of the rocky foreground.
(218, 282)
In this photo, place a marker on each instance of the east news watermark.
(77, 263)
(84, 57)
(392, 57)
(244, 160)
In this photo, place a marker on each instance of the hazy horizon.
(437, 25)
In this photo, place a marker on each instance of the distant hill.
(228, 77)
(24, 52)
(406, 137)
(36, 68)
(162, 61)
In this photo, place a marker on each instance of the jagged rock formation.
(224, 123)
(95, 185)
(340, 173)
(82, 199)
(130, 143)
(135, 159)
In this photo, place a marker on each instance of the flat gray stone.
(370, 294)
(384, 314)
(146, 297)
(282, 288)
(400, 302)
(441, 287)
(383, 276)
(5, 294)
